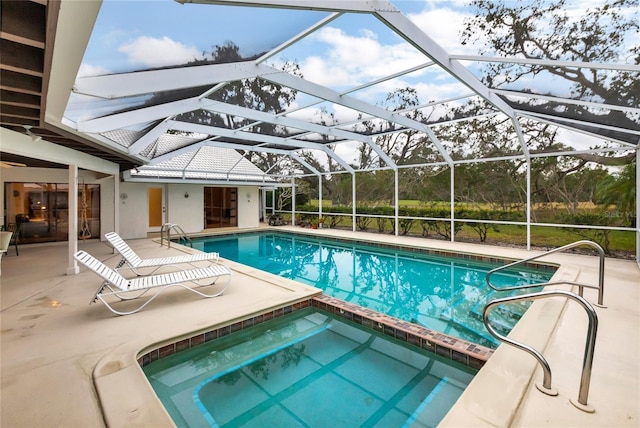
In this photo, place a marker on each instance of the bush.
(482, 228)
(599, 236)
(362, 222)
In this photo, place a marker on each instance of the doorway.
(156, 209)
(220, 207)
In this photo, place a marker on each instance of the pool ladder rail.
(585, 379)
(182, 236)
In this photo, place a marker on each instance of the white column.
(72, 267)
(116, 203)
(293, 201)
(320, 195)
(353, 201)
(637, 207)
(528, 211)
(452, 205)
(396, 195)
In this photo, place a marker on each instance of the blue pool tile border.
(461, 351)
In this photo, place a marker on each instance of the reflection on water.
(442, 293)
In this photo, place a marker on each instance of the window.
(43, 210)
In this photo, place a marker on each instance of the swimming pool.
(443, 293)
(307, 369)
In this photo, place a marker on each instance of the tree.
(619, 191)
(256, 94)
(404, 146)
(604, 34)
(545, 31)
(284, 196)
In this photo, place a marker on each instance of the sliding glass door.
(220, 207)
(43, 210)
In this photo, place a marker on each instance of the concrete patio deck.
(52, 341)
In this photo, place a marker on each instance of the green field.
(621, 243)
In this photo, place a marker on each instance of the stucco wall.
(248, 207)
(133, 208)
(188, 212)
(134, 217)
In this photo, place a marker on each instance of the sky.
(134, 35)
(351, 50)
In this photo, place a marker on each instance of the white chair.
(115, 284)
(133, 261)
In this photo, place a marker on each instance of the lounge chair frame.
(115, 284)
(131, 261)
(15, 228)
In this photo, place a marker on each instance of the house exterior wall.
(248, 207)
(61, 176)
(133, 208)
(187, 212)
(134, 216)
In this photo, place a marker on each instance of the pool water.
(446, 294)
(307, 369)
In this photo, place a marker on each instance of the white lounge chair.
(115, 284)
(133, 261)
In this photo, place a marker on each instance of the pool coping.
(121, 369)
(494, 394)
(467, 353)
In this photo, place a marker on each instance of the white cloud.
(352, 60)
(318, 70)
(443, 25)
(348, 151)
(154, 52)
(88, 70)
(344, 114)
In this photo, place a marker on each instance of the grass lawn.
(550, 237)
(546, 237)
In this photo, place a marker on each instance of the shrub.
(599, 236)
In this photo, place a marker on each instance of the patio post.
(293, 201)
(637, 225)
(353, 201)
(451, 202)
(72, 267)
(396, 193)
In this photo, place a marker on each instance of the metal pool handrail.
(600, 285)
(181, 234)
(587, 364)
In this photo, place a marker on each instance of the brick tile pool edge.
(461, 351)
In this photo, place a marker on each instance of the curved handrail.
(600, 286)
(162, 229)
(181, 234)
(587, 364)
